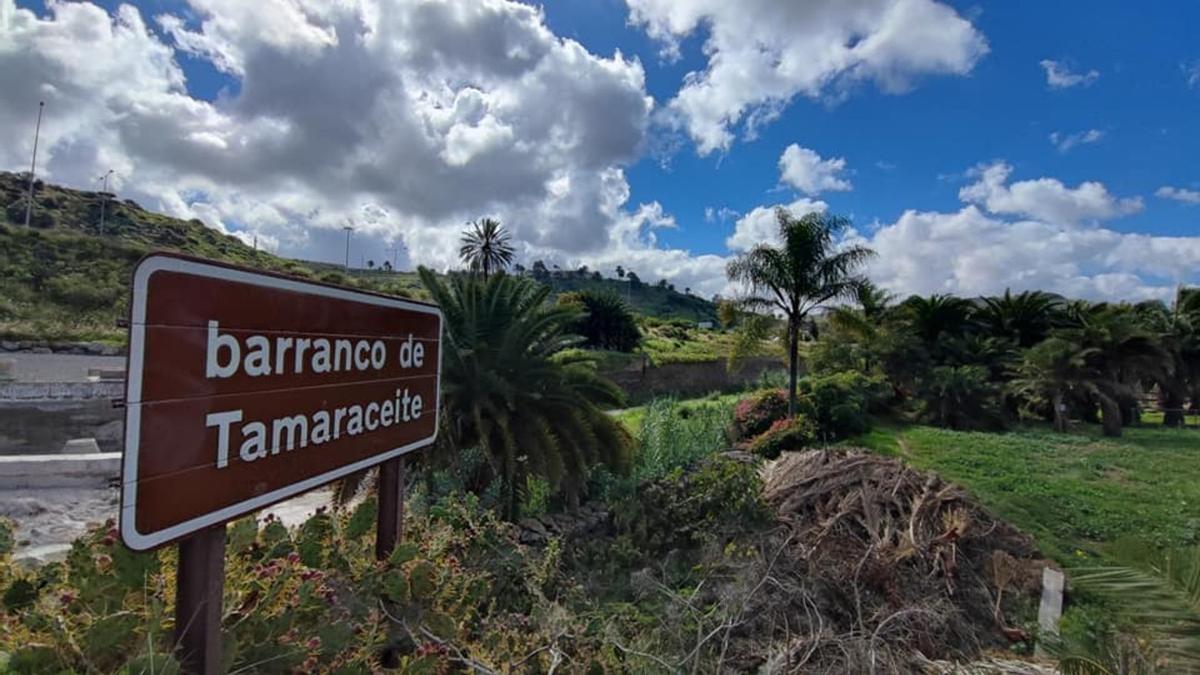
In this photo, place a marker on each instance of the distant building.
(705, 325)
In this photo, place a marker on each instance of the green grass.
(1076, 493)
(634, 417)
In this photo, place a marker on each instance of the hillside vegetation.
(63, 279)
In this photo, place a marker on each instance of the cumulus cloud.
(804, 170)
(1044, 198)
(405, 119)
(1064, 142)
(1178, 194)
(760, 225)
(762, 53)
(1060, 76)
(970, 253)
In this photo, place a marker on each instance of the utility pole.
(348, 229)
(37, 130)
(104, 197)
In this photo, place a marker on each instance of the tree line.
(970, 362)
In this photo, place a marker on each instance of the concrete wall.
(688, 379)
(42, 427)
(21, 472)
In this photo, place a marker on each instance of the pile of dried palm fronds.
(883, 568)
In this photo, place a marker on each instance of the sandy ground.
(49, 519)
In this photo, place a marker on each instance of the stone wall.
(688, 379)
(44, 347)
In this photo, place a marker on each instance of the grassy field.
(1076, 493)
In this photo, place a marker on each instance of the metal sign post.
(244, 389)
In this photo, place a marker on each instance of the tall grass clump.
(674, 435)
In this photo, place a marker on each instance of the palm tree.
(510, 389)
(863, 323)
(486, 247)
(1053, 370)
(1125, 355)
(937, 316)
(806, 271)
(1179, 329)
(1025, 318)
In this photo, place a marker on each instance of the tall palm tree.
(806, 271)
(509, 389)
(486, 247)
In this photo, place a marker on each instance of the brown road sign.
(247, 388)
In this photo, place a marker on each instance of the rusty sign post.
(245, 389)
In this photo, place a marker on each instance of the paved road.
(57, 367)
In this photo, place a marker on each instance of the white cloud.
(1191, 73)
(1060, 76)
(804, 170)
(405, 118)
(1064, 142)
(1178, 194)
(762, 53)
(1044, 198)
(970, 253)
(713, 214)
(760, 226)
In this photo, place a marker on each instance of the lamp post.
(104, 197)
(37, 130)
(348, 229)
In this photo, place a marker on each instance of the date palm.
(486, 247)
(807, 270)
(509, 388)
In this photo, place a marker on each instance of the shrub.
(961, 397)
(756, 413)
(673, 436)
(83, 292)
(785, 435)
(840, 402)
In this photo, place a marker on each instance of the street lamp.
(37, 130)
(104, 196)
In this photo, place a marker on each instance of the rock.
(41, 350)
(9, 345)
(111, 350)
(79, 446)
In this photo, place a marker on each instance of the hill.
(65, 279)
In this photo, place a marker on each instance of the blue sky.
(1084, 114)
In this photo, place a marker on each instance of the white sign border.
(142, 541)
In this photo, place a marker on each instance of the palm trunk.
(1172, 403)
(1060, 415)
(1111, 411)
(793, 365)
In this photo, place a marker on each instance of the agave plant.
(509, 387)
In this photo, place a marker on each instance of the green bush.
(785, 435)
(840, 403)
(673, 436)
(84, 292)
(688, 508)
